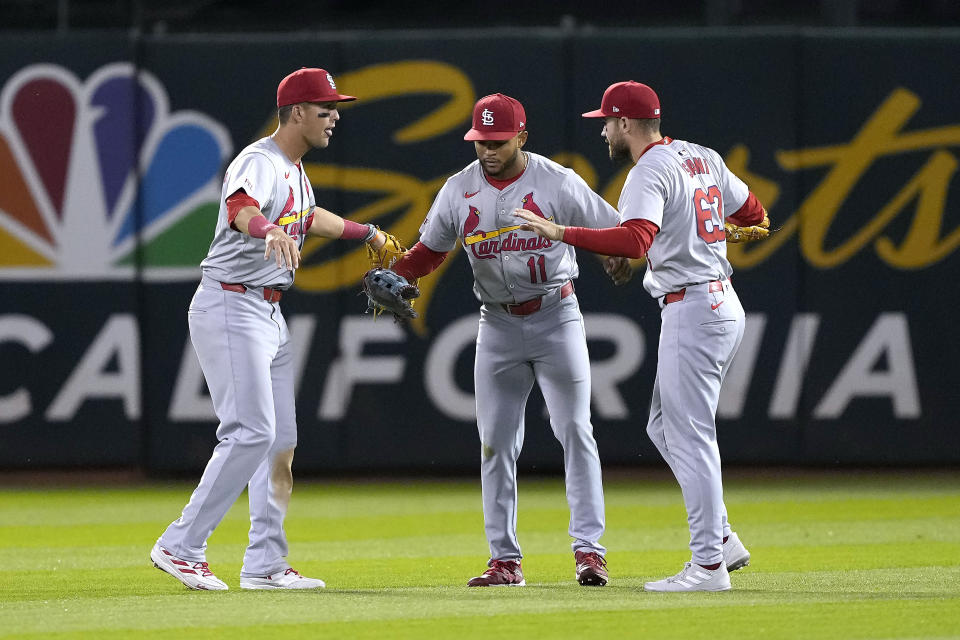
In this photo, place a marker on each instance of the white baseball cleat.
(735, 555)
(194, 575)
(285, 579)
(693, 578)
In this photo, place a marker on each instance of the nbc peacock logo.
(100, 181)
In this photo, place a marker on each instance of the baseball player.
(266, 209)
(530, 329)
(673, 205)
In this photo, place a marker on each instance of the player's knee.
(571, 430)
(259, 439)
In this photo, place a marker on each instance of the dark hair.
(283, 113)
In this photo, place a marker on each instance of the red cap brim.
(336, 97)
(473, 135)
(596, 113)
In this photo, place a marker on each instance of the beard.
(505, 167)
(620, 152)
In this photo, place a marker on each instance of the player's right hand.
(619, 269)
(541, 227)
(284, 249)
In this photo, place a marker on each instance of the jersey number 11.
(537, 261)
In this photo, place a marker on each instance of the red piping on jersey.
(631, 240)
(663, 140)
(749, 214)
(237, 201)
(418, 262)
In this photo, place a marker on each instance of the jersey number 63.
(709, 228)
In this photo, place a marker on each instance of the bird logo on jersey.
(291, 219)
(531, 206)
(472, 222)
(485, 245)
(471, 234)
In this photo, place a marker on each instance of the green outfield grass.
(856, 555)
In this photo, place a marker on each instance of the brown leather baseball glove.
(737, 234)
(386, 255)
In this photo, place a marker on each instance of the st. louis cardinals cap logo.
(496, 117)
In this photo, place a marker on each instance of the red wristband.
(356, 231)
(258, 227)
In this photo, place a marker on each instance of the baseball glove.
(385, 256)
(389, 291)
(737, 234)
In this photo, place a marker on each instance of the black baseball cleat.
(591, 569)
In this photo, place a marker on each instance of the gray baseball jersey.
(510, 265)
(546, 345)
(245, 351)
(286, 199)
(685, 189)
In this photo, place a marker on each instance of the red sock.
(711, 567)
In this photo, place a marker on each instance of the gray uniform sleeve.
(734, 190)
(256, 175)
(644, 195)
(439, 230)
(583, 207)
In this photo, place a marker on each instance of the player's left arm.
(327, 224)
(737, 197)
(750, 214)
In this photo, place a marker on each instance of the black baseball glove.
(389, 291)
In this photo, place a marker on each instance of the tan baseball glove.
(386, 255)
(737, 234)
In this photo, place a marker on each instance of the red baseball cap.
(627, 100)
(497, 117)
(309, 85)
